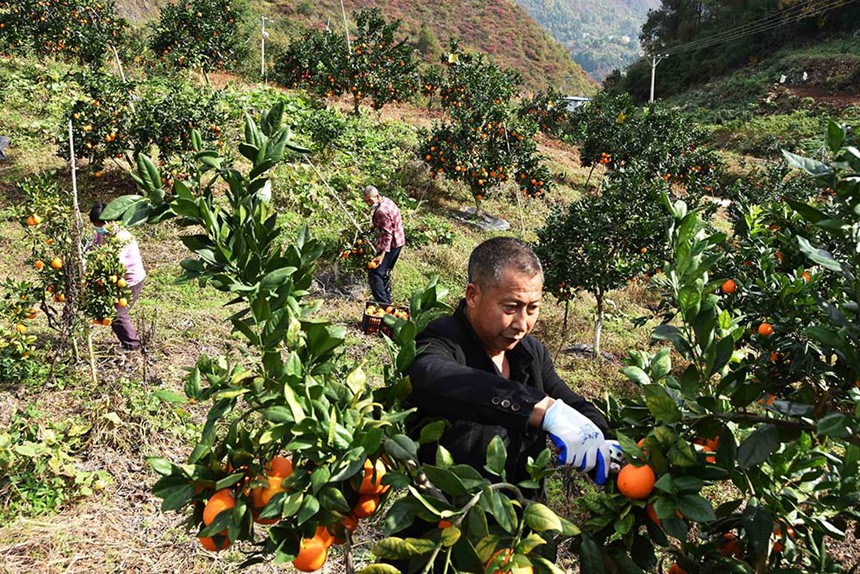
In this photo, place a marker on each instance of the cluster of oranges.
(374, 311)
(313, 551)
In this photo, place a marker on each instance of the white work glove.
(581, 443)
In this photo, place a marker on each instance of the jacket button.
(506, 403)
(515, 407)
(495, 400)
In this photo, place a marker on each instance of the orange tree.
(612, 131)
(200, 34)
(83, 30)
(603, 242)
(484, 144)
(780, 459)
(377, 66)
(107, 127)
(53, 288)
(101, 119)
(548, 111)
(294, 395)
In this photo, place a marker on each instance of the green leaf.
(540, 518)
(432, 432)
(819, 256)
(661, 364)
(310, 506)
(758, 446)
(169, 396)
(836, 425)
(445, 480)
(725, 348)
(401, 447)
(696, 508)
(636, 375)
(806, 211)
(379, 569)
(496, 456)
(835, 136)
(590, 557)
(450, 536)
(402, 549)
(160, 465)
(672, 334)
(814, 168)
(271, 281)
(117, 208)
(661, 404)
(501, 508)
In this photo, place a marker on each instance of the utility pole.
(655, 59)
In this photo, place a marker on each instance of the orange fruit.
(443, 524)
(21, 328)
(765, 329)
(280, 466)
(218, 503)
(31, 313)
(121, 282)
(366, 505)
(122, 302)
(806, 276)
(263, 494)
(210, 544)
(729, 545)
(350, 522)
(39, 264)
(106, 321)
(728, 287)
(778, 546)
(372, 481)
(652, 514)
(312, 555)
(56, 263)
(675, 569)
(323, 534)
(636, 482)
(372, 264)
(59, 297)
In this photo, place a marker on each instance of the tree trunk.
(589, 176)
(598, 326)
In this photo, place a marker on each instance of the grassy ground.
(119, 528)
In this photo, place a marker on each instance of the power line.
(771, 18)
(791, 15)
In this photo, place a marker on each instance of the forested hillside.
(707, 40)
(601, 36)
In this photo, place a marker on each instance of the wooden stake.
(77, 232)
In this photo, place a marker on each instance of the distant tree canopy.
(679, 22)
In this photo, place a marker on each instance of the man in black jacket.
(482, 371)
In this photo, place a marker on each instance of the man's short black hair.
(490, 259)
(96, 211)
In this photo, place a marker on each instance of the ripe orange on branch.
(218, 503)
(312, 555)
(371, 483)
(636, 482)
(765, 329)
(728, 287)
(366, 506)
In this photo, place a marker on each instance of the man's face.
(503, 314)
(371, 199)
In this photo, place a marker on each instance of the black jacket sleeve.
(558, 389)
(442, 386)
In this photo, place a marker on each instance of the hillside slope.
(601, 36)
(502, 29)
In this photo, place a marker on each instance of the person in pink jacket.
(135, 273)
